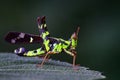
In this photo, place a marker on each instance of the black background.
(99, 20)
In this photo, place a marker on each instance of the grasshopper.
(49, 45)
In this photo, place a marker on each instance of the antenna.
(78, 29)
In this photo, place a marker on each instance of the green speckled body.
(50, 45)
(56, 47)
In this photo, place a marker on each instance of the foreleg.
(72, 53)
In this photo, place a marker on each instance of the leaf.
(13, 67)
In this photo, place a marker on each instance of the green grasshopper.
(50, 45)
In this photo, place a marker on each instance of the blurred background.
(99, 37)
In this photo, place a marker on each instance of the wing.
(19, 37)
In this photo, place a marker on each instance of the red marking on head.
(74, 36)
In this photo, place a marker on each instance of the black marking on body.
(35, 51)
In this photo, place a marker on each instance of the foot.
(76, 67)
(39, 65)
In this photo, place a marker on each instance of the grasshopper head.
(74, 41)
(74, 38)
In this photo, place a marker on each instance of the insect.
(49, 45)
